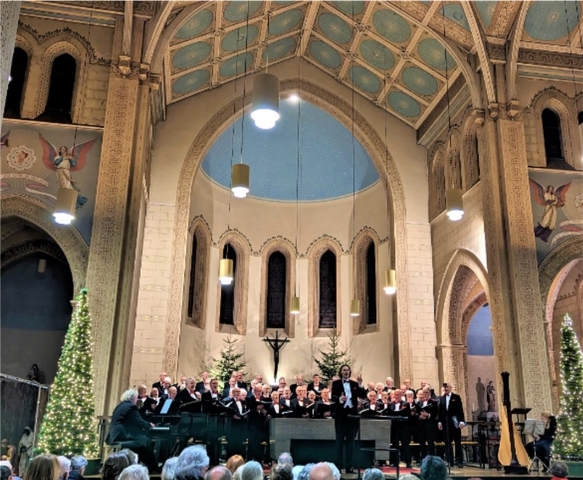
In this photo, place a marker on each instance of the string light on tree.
(69, 425)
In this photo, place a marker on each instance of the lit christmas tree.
(569, 441)
(333, 358)
(229, 362)
(69, 425)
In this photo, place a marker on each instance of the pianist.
(129, 429)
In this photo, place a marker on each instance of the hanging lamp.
(355, 307)
(226, 271)
(454, 202)
(240, 180)
(65, 206)
(390, 285)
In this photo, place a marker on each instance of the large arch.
(67, 238)
(372, 143)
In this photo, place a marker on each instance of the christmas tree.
(569, 441)
(69, 425)
(333, 358)
(229, 362)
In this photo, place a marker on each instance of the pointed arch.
(196, 293)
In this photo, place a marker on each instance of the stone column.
(9, 13)
(109, 244)
(523, 270)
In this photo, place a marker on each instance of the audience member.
(335, 472)
(559, 471)
(169, 468)
(193, 463)
(280, 471)
(373, 474)
(78, 466)
(113, 466)
(134, 472)
(321, 471)
(133, 457)
(305, 471)
(5, 473)
(43, 467)
(218, 473)
(285, 458)
(252, 471)
(238, 472)
(408, 476)
(234, 462)
(433, 468)
(64, 467)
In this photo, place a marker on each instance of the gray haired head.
(78, 463)
(373, 474)
(305, 472)
(218, 473)
(192, 463)
(129, 395)
(433, 468)
(169, 468)
(285, 458)
(252, 471)
(559, 470)
(134, 472)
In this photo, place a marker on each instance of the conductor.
(345, 393)
(128, 427)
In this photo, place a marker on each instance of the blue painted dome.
(326, 162)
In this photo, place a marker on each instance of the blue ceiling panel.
(404, 104)
(455, 12)
(547, 21)
(350, 8)
(419, 81)
(433, 53)
(236, 65)
(326, 165)
(191, 55)
(335, 28)
(279, 49)
(391, 26)
(239, 11)
(195, 25)
(240, 38)
(325, 54)
(486, 10)
(377, 55)
(191, 81)
(286, 22)
(364, 79)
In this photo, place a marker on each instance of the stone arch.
(437, 182)
(68, 239)
(200, 229)
(315, 252)
(453, 177)
(23, 40)
(372, 143)
(469, 160)
(243, 250)
(361, 243)
(562, 105)
(287, 248)
(58, 47)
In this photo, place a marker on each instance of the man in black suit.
(293, 387)
(189, 398)
(160, 384)
(202, 385)
(426, 423)
(127, 426)
(345, 393)
(451, 420)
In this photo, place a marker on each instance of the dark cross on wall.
(277, 345)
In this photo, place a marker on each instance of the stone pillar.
(9, 13)
(108, 240)
(523, 270)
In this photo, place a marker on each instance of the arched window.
(552, 136)
(476, 145)
(328, 307)
(371, 285)
(16, 85)
(193, 277)
(61, 86)
(227, 313)
(276, 290)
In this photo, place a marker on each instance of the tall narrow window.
(16, 85)
(328, 307)
(227, 313)
(371, 285)
(477, 159)
(552, 136)
(61, 86)
(276, 290)
(193, 278)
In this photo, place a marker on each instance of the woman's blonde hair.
(43, 467)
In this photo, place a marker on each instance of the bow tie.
(346, 381)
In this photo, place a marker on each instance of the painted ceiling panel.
(196, 25)
(324, 54)
(433, 54)
(548, 21)
(334, 28)
(455, 12)
(234, 12)
(280, 49)
(191, 82)
(236, 65)
(272, 156)
(364, 79)
(377, 55)
(392, 26)
(239, 39)
(286, 22)
(191, 55)
(419, 81)
(350, 8)
(486, 11)
(404, 104)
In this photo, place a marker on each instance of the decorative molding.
(553, 59)
(16, 252)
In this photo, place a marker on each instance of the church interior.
(420, 194)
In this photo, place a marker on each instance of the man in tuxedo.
(160, 383)
(293, 387)
(316, 385)
(345, 393)
(451, 420)
(238, 424)
(427, 409)
(400, 429)
(189, 396)
(203, 385)
(211, 397)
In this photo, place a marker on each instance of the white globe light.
(63, 218)
(264, 118)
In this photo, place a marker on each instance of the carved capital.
(494, 110)
(155, 80)
(478, 116)
(144, 71)
(124, 65)
(513, 108)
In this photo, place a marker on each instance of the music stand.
(536, 428)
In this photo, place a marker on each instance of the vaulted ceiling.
(393, 53)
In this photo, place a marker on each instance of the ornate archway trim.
(554, 262)
(68, 239)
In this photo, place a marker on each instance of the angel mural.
(65, 161)
(551, 199)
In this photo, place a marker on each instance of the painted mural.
(37, 161)
(557, 207)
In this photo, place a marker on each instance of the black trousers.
(426, 429)
(346, 429)
(142, 446)
(401, 432)
(452, 434)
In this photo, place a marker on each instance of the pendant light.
(390, 285)
(226, 271)
(294, 306)
(265, 110)
(65, 206)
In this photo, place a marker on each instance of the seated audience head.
(169, 468)
(131, 455)
(218, 473)
(114, 465)
(234, 462)
(43, 467)
(409, 476)
(252, 471)
(433, 468)
(373, 474)
(64, 467)
(335, 472)
(285, 458)
(305, 471)
(281, 471)
(6, 472)
(321, 471)
(130, 395)
(78, 464)
(192, 463)
(134, 472)
(559, 470)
